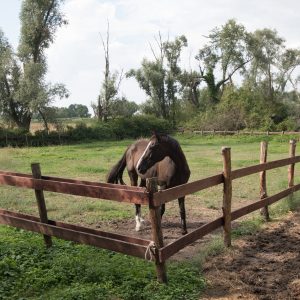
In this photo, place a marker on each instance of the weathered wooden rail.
(238, 132)
(146, 196)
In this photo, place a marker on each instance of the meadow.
(69, 271)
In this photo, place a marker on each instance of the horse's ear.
(156, 134)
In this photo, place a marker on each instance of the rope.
(150, 251)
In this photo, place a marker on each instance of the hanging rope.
(150, 251)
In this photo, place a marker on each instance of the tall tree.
(109, 87)
(273, 64)
(160, 79)
(226, 52)
(26, 89)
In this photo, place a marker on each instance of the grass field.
(68, 271)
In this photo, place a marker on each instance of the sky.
(77, 59)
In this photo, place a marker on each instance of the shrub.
(134, 127)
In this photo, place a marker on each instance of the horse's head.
(155, 151)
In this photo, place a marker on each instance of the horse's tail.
(116, 173)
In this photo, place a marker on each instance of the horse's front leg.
(138, 218)
(139, 221)
(182, 214)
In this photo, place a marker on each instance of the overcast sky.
(77, 60)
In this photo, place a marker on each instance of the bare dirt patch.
(265, 265)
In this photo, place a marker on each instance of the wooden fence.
(149, 196)
(237, 132)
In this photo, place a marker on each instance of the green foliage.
(241, 108)
(160, 78)
(69, 271)
(23, 89)
(120, 128)
(123, 108)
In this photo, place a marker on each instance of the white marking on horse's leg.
(139, 222)
(142, 156)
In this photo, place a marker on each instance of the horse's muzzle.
(142, 169)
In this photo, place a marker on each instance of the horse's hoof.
(184, 231)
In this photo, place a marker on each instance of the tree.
(78, 111)
(23, 74)
(109, 87)
(160, 79)
(123, 108)
(227, 52)
(273, 65)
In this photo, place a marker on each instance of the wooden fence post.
(157, 236)
(227, 195)
(263, 182)
(39, 194)
(291, 169)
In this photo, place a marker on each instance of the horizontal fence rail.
(83, 235)
(119, 193)
(60, 179)
(164, 196)
(264, 167)
(238, 132)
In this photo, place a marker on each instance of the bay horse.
(161, 156)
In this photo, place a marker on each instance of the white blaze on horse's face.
(154, 152)
(142, 156)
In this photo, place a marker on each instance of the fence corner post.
(291, 169)
(157, 236)
(227, 195)
(263, 181)
(39, 194)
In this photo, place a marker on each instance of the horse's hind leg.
(182, 214)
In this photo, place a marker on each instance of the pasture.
(68, 271)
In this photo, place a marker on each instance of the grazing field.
(69, 271)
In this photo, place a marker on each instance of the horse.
(161, 156)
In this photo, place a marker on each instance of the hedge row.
(134, 127)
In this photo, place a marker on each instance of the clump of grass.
(248, 227)
(290, 203)
(213, 248)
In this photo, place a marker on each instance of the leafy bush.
(243, 109)
(134, 127)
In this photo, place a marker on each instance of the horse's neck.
(178, 157)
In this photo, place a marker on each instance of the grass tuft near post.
(157, 236)
(227, 195)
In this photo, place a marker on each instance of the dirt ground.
(265, 265)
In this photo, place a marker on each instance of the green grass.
(70, 271)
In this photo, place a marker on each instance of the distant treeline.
(118, 129)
